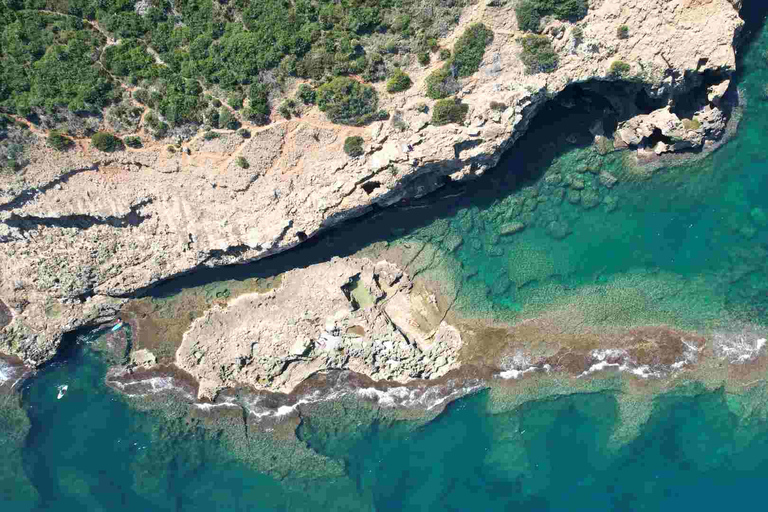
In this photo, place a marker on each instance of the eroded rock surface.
(348, 313)
(79, 230)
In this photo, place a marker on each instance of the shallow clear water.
(688, 239)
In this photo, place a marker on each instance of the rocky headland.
(83, 234)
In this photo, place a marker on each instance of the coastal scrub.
(449, 110)
(538, 55)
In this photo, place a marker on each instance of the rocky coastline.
(84, 233)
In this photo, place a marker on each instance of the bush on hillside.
(289, 108)
(622, 32)
(442, 83)
(242, 162)
(306, 94)
(538, 55)
(258, 109)
(469, 49)
(449, 110)
(619, 69)
(106, 142)
(132, 141)
(58, 141)
(353, 146)
(346, 101)
(399, 81)
(530, 12)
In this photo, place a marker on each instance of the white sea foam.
(151, 386)
(208, 407)
(6, 372)
(738, 348)
(515, 374)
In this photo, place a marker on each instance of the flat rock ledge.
(349, 313)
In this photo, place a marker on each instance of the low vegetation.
(104, 141)
(529, 13)
(132, 141)
(58, 141)
(467, 55)
(449, 110)
(346, 101)
(442, 83)
(622, 32)
(242, 162)
(185, 57)
(538, 55)
(306, 94)
(289, 108)
(469, 49)
(399, 81)
(353, 146)
(619, 69)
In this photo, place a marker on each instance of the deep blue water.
(699, 449)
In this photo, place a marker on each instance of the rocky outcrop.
(663, 131)
(80, 231)
(345, 314)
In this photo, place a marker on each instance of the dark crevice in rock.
(657, 137)
(80, 221)
(370, 186)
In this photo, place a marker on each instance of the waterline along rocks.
(82, 231)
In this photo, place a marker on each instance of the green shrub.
(228, 120)
(288, 108)
(235, 100)
(246, 134)
(449, 110)
(346, 101)
(353, 146)
(424, 58)
(171, 149)
(469, 49)
(106, 142)
(209, 135)
(445, 54)
(398, 82)
(59, 141)
(442, 83)
(159, 128)
(538, 54)
(306, 94)
(258, 109)
(530, 12)
(242, 162)
(619, 69)
(622, 32)
(578, 35)
(691, 124)
(142, 96)
(132, 141)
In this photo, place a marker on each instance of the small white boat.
(117, 326)
(62, 389)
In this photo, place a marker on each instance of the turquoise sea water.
(689, 235)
